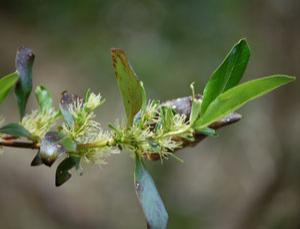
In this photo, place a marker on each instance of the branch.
(19, 144)
(182, 106)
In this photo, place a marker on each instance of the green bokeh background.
(247, 177)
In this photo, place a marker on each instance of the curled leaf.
(62, 171)
(51, 148)
(44, 98)
(24, 62)
(37, 160)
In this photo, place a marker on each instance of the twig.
(20, 144)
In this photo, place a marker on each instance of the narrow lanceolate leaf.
(196, 106)
(228, 74)
(51, 148)
(44, 98)
(167, 116)
(16, 130)
(236, 97)
(195, 111)
(62, 171)
(149, 198)
(131, 88)
(6, 83)
(144, 97)
(24, 62)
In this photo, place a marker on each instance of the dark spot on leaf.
(138, 187)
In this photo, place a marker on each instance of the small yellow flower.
(38, 123)
(93, 101)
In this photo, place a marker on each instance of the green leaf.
(206, 131)
(6, 83)
(149, 198)
(228, 74)
(195, 111)
(144, 97)
(69, 144)
(62, 171)
(15, 129)
(167, 116)
(44, 98)
(131, 88)
(236, 97)
(87, 94)
(51, 148)
(24, 62)
(196, 106)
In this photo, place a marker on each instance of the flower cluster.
(156, 129)
(87, 132)
(38, 122)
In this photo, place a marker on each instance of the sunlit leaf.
(6, 83)
(24, 62)
(236, 97)
(228, 74)
(131, 88)
(16, 130)
(44, 98)
(62, 171)
(149, 198)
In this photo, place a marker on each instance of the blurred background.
(247, 177)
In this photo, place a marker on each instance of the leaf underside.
(149, 198)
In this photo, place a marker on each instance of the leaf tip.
(36, 160)
(116, 54)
